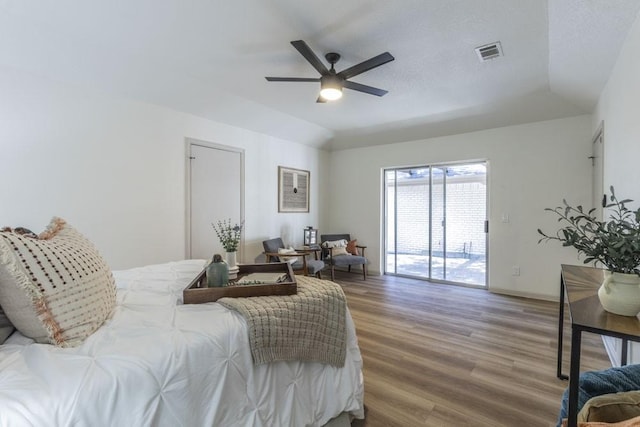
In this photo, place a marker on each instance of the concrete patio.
(469, 271)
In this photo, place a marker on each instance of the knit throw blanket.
(308, 326)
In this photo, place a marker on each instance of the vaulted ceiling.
(209, 58)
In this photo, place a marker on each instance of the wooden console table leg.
(624, 350)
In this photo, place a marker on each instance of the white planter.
(231, 259)
(620, 294)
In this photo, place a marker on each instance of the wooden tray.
(197, 291)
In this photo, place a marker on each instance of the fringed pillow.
(56, 288)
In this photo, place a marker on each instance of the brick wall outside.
(466, 213)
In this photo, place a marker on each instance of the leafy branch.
(228, 235)
(614, 243)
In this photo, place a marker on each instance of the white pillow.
(342, 243)
(6, 328)
(289, 259)
(339, 250)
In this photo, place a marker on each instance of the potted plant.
(229, 236)
(613, 243)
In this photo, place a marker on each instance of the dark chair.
(302, 265)
(342, 260)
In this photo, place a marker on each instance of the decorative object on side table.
(217, 272)
(614, 243)
(229, 237)
(310, 236)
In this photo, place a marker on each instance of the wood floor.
(442, 355)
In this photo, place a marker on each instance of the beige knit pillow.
(56, 289)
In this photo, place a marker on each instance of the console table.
(580, 286)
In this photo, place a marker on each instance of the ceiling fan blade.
(367, 65)
(308, 54)
(291, 79)
(364, 88)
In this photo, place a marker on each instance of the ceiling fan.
(332, 83)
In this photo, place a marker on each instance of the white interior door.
(215, 193)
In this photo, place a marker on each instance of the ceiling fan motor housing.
(331, 80)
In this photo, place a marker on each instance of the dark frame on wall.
(293, 190)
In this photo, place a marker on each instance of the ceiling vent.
(489, 51)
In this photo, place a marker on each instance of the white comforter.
(157, 362)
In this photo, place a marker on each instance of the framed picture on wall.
(293, 190)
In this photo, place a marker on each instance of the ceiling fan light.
(331, 93)
(331, 87)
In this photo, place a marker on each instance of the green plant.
(614, 243)
(229, 235)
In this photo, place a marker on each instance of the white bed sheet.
(157, 362)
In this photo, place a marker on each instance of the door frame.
(188, 142)
(598, 138)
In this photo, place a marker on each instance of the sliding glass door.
(435, 222)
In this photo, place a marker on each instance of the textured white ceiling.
(209, 58)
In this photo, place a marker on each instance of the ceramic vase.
(620, 294)
(231, 259)
(217, 273)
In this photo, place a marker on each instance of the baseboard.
(355, 270)
(531, 295)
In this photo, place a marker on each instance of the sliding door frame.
(385, 221)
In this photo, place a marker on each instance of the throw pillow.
(20, 230)
(351, 247)
(612, 407)
(339, 250)
(335, 243)
(289, 259)
(633, 422)
(6, 328)
(56, 289)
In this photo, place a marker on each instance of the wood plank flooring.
(442, 355)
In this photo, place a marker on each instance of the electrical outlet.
(515, 270)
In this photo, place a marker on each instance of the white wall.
(619, 108)
(531, 167)
(115, 170)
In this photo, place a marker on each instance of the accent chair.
(273, 249)
(336, 254)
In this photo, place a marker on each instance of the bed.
(158, 362)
